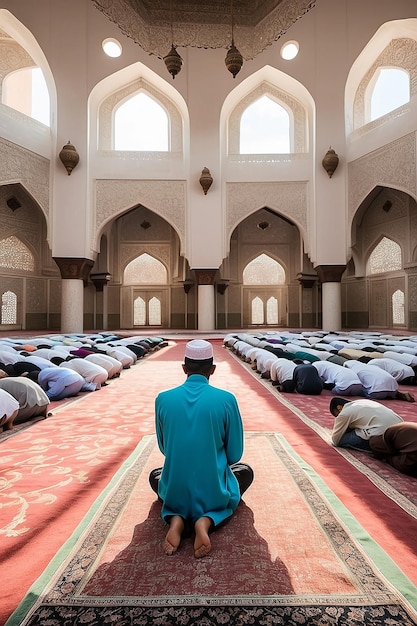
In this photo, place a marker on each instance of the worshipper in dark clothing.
(20, 368)
(398, 447)
(307, 380)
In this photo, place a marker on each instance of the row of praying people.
(37, 371)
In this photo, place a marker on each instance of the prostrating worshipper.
(9, 408)
(61, 382)
(307, 380)
(340, 380)
(358, 420)
(91, 372)
(200, 433)
(377, 383)
(113, 366)
(32, 399)
(281, 374)
(403, 374)
(398, 447)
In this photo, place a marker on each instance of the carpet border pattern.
(389, 490)
(377, 603)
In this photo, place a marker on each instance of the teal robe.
(200, 433)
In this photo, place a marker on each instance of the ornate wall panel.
(166, 198)
(30, 169)
(289, 199)
(394, 165)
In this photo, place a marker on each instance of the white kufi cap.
(199, 350)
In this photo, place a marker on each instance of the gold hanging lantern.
(173, 61)
(69, 157)
(206, 180)
(330, 162)
(234, 59)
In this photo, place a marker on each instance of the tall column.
(206, 299)
(100, 283)
(330, 277)
(74, 272)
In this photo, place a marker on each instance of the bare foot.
(405, 395)
(202, 543)
(173, 536)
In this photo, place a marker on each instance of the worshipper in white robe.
(91, 372)
(402, 373)
(113, 366)
(377, 383)
(281, 374)
(357, 421)
(117, 353)
(9, 408)
(61, 382)
(340, 380)
(32, 399)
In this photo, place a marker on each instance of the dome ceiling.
(157, 24)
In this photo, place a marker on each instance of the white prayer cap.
(198, 350)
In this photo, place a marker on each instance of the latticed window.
(141, 124)
(272, 311)
(8, 308)
(154, 309)
(257, 311)
(265, 128)
(145, 270)
(263, 271)
(386, 257)
(139, 312)
(147, 313)
(15, 255)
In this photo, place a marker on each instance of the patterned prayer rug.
(291, 555)
(314, 412)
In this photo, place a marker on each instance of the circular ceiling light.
(289, 50)
(112, 47)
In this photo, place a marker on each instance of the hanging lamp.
(172, 60)
(234, 59)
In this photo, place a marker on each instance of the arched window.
(263, 271)
(388, 89)
(385, 257)
(145, 270)
(8, 308)
(147, 312)
(141, 124)
(398, 313)
(15, 255)
(26, 91)
(265, 128)
(257, 311)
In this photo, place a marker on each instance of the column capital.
(100, 280)
(330, 273)
(76, 268)
(205, 277)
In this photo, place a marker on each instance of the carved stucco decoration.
(12, 57)
(299, 122)
(30, 169)
(286, 198)
(400, 53)
(167, 198)
(214, 31)
(35, 296)
(393, 165)
(106, 115)
(129, 252)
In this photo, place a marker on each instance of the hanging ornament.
(330, 161)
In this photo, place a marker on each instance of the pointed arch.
(263, 269)
(385, 256)
(145, 269)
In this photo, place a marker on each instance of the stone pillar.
(330, 277)
(74, 273)
(100, 283)
(206, 299)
